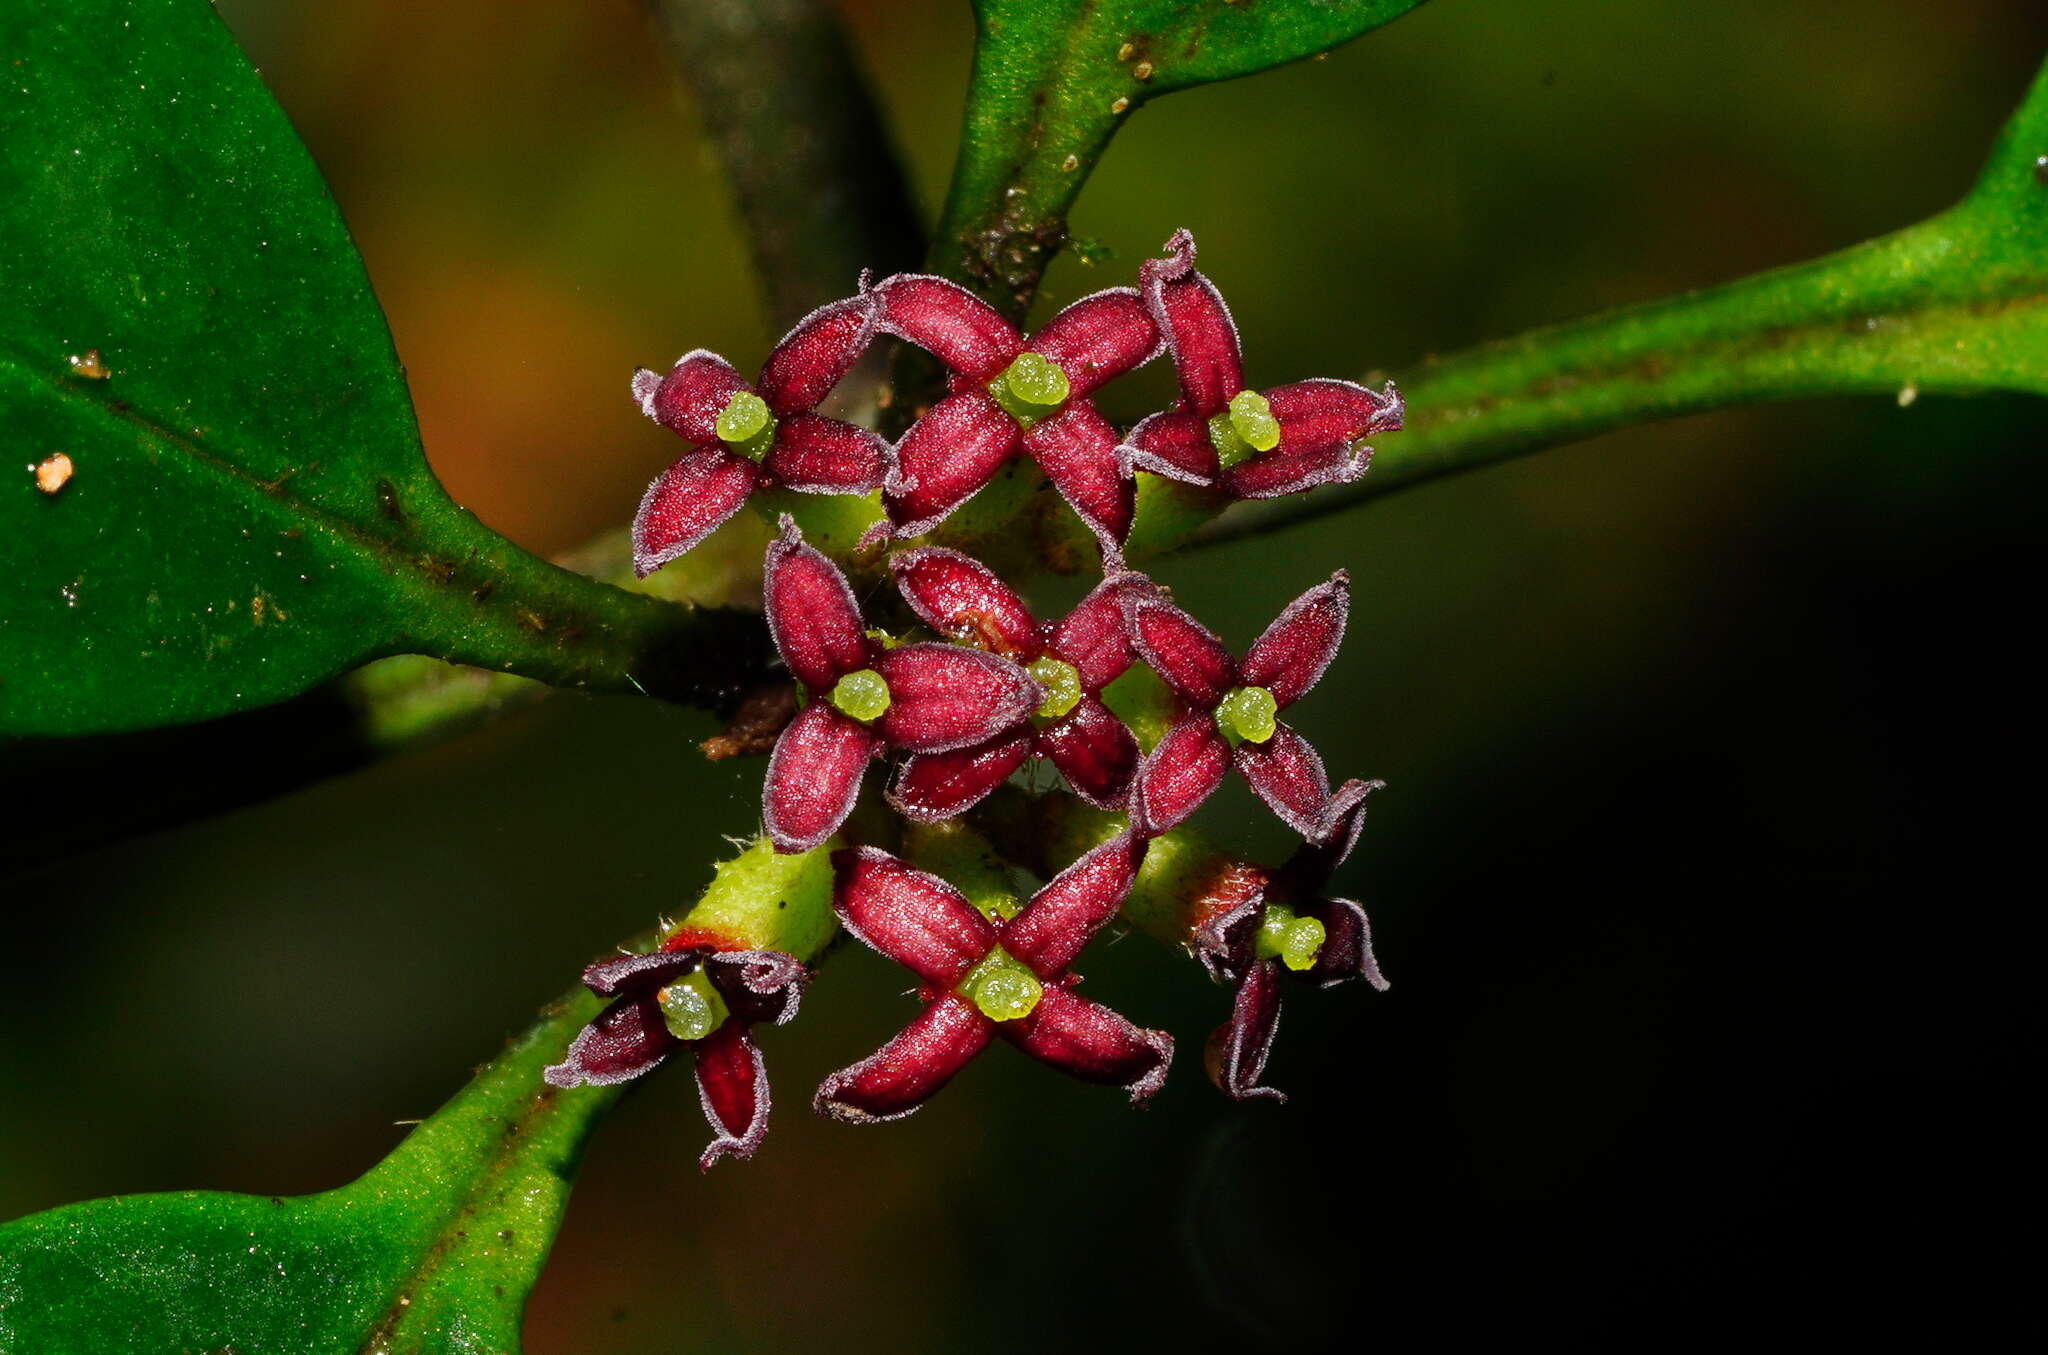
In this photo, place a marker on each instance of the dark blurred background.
(1710, 745)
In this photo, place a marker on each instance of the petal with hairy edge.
(1060, 919)
(1289, 777)
(1308, 871)
(818, 350)
(1281, 473)
(905, 1072)
(1235, 905)
(732, 1086)
(1347, 945)
(1095, 752)
(614, 975)
(813, 777)
(1077, 448)
(1180, 649)
(959, 444)
(1237, 1051)
(686, 503)
(1093, 637)
(817, 455)
(690, 398)
(812, 615)
(943, 696)
(917, 920)
(1087, 1040)
(934, 786)
(949, 322)
(1174, 445)
(1099, 338)
(1290, 657)
(1184, 769)
(962, 599)
(627, 1039)
(760, 986)
(1196, 325)
(1322, 411)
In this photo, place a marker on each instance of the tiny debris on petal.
(89, 365)
(53, 472)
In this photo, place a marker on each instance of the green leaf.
(1053, 79)
(247, 509)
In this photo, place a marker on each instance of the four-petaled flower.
(1266, 928)
(864, 695)
(1007, 396)
(985, 977)
(1229, 707)
(690, 994)
(1072, 661)
(744, 438)
(1256, 445)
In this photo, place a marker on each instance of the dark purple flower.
(1009, 396)
(1256, 445)
(690, 994)
(1228, 708)
(985, 977)
(1270, 929)
(864, 696)
(1072, 661)
(744, 438)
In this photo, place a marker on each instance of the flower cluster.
(1006, 396)
(992, 693)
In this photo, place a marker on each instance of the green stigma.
(862, 694)
(1001, 988)
(1030, 388)
(1248, 426)
(1061, 683)
(1247, 713)
(746, 426)
(1292, 940)
(691, 1008)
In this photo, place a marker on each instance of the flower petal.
(1237, 1050)
(1323, 411)
(1289, 777)
(732, 1086)
(1184, 769)
(1077, 448)
(1086, 1040)
(1347, 946)
(818, 350)
(686, 503)
(1174, 445)
(1196, 326)
(946, 456)
(962, 599)
(1180, 649)
(690, 398)
(934, 786)
(917, 920)
(903, 1074)
(1234, 905)
(1099, 338)
(812, 614)
(1060, 919)
(813, 777)
(817, 455)
(627, 1039)
(943, 696)
(1095, 752)
(646, 970)
(1093, 637)
(1281, 473)
(948, 321)
(1308, 871)
(760, 986)
(1290, 657)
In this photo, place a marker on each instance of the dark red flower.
(1072, 661)
(1228, 708)
(985, 977)
(695, 997)
(1009, 396)
(1256, 445)
(744, 438)
(1284, 927)
(864, 696)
